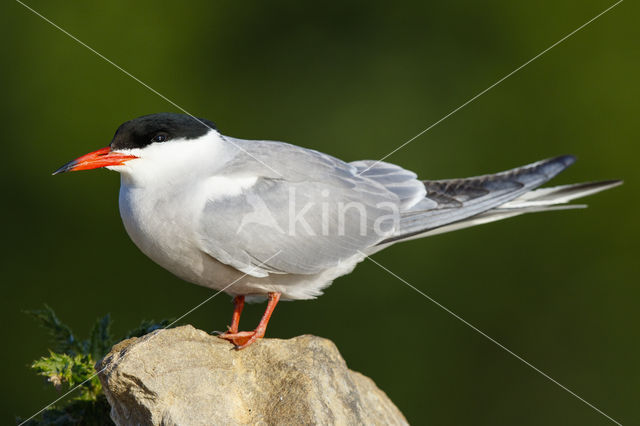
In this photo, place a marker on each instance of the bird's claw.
(241, 339)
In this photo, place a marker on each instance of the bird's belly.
(168, 237)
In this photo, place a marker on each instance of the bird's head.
(156, 139)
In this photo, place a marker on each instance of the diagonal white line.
(140, 81)
(500, 345)
(493, 85)
(163, 328)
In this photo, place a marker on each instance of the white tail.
(539, 200)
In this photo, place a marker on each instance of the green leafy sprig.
(71, 362)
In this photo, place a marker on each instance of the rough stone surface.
(184, 376)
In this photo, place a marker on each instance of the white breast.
(160, 230)
(162, 195)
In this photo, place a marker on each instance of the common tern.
(270, 220)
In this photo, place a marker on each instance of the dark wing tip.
(568, 159)
(552, 166)
(565, 160)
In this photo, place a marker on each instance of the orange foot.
(242, 339)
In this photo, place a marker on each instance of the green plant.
(71, 363)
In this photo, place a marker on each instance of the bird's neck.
(178, 163)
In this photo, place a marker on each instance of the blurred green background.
(353, 79)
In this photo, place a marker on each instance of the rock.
(184, 376)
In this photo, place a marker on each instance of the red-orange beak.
(101, 158)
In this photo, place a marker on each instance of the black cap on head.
(161, 127)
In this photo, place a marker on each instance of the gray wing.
(316, 213)
(538, 200)
(453, 200)
(402, 182)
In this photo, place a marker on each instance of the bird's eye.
(160, 137)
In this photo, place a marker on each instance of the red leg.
(238, 305)
(245, 338)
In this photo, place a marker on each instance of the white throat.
(175, 161)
